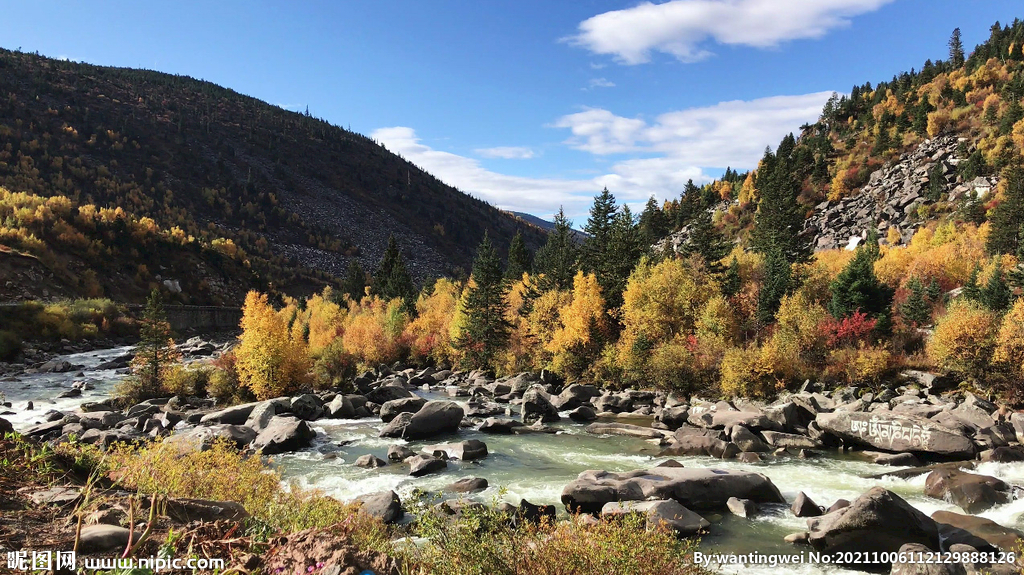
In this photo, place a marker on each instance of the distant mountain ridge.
(302, 197)
(547, 225)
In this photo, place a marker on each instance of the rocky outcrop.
(896, 432)
(892, 196)
(971, 492)
(434, 418)
(692, 488)
(667, 512)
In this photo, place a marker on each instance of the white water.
(537, 466)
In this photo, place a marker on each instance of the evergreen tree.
(689, 204)
(1013, 114)
(971, 289)
(936, 183)
(934, 291)
(916, 310)
(777, 277)
(599, 228)
(625, 248)
(732, 282)
(654, 225)
(486, 329)
(154, 355)
(996, 295)
(1007, 218)
(518, 258)
(956, 49)
(707, 242)
(779, 220)
(856, 288)
(558, 258)
(973, 209)
(392, 279)
(354, 285)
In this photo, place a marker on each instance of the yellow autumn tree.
(964, 338)
(373, 330)
(582, 328)
(429, 335)
(270, 362)
(1009, 353)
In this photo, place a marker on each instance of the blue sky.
(527, 104)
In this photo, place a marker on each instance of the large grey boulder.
(1005, 538)
(913, 553)
(341, 407)
(536, 407)
(284, 434)
(308, 407)
(789, 440)
(463, 450)
(691, 487)
(420, 465)
(574, 396)
(974, 493)
(100, 538)
(369, 461)
(747, 441)
(626, 429)
(261, 414)
(434, 418)
(234, 415)
(499, 426)
(391, 409)
(203, 437)
(877, 521)
(467, 485)
(386, 393)
(896, 432)
(692, 444)
(666, 512)
(384, 505)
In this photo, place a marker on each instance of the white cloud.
(507, 152)
(676, 147)
(681, 27)
(726, 134)
(600, 83)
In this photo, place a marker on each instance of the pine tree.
(155, 354)
(654, 225)
(392, 279)
(956, 49)
(486, 329)
(518, 258)
(934, 291)
(996, 295)
(732, 282)
(558, 259)
(777, 277)
(354, 285)
(599, 228)
(779, 220)
(707, 242)
(1007, 218)
(689, 204)
(971, 289)
(916, 310)
(625, 248)
(856, 288)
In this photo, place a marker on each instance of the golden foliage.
(270, 361)
(429, 334)
(947, 253)
(374, 329)
(1009, 352)
(964, 338)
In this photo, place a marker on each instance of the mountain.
(299, 196)
(548, 226)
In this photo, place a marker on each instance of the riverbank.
(402, 433)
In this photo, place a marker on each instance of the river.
(537, 466)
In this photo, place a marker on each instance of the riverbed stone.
(741, 507)
(583, 414)
(284, 433)
(896, 432)
(972, 492)
(913, 566)
(660, 512)
(574, 396)
(790, 440)
(625, 429)
(234, 415)
(500, 426)
(307, 406)
(386, 393)
(369, 461)
(399, 453)
(434, 418)
(390, 409)
(341, 407)
(261, 415)
(468, 450)
(686, 444)
(1005, 538)
(467, 485)
(877, 521)
(420, 465)
(384, 505)
(5, 426)
(747, 441)
(203, 437)
(694, 488)
(537, 407)
(804, 506)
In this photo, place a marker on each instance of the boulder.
(898, 459)
(751, 420)
(747, 441)
(660, 512)
(101, 538)
(369, 461)
(390, 409)
(583, 414)
(877, 521)
(341, 407)
(499, 426)
(692, 487)
(202, 438)
(804, 506)
(479, 407)
(574, 396)
(384, 505)
(5, 426)
(896, 432)
(386, 393)
(284, 434)
(789, 441)
(914, 553)
(531, 513)
(463, 450)
(260, 416)
(467, 485)
(1004, 538)
(741, 507)
(308, 407)
(674, 417)
(701, 445)
(420, 465)
(399, 453)
(234, 415)
(434, 418)
(971, 492)
(189, 510)
(536, 407)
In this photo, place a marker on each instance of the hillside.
(546, 225)
(300, 196)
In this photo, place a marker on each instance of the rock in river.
(972, 492)
(896, 432)
(692, 488)
(432, 419)
(665, 511)
(284, 434)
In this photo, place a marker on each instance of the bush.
(223, 380)
(187, 380)
(334, 366)
(865, 365)
(964, 339)
(1009, 352)
(10, 345)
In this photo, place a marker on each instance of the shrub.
(868, 365)
(10, 345)
(373, 331)
(964, 339)
(758, 372)
(187, 381)
(334, 365)
(223, 379)
(1009, 352)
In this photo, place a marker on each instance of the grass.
(73, 320)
